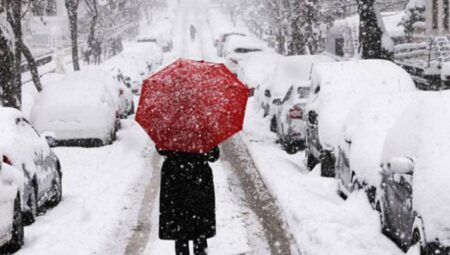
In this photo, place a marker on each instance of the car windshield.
(303, 92)
(245, 50)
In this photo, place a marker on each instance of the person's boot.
(200, 246)
(182, 247)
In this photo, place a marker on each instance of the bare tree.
(7, 74)
(72, 12)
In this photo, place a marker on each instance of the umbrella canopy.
(192, 106)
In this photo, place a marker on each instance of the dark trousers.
(200, 245)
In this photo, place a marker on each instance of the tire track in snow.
(138, 241)
(259, 198)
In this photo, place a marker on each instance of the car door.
(398, 213)
(6, 211)
(33, 140)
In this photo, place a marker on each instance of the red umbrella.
(192, 106)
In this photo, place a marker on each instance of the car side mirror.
(277, 101)
(399, 165)
(50, 139)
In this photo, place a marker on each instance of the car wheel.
(355, 183)
(30, 216)
(289, 146)
(273, 124)
(417, 239)
(57, 190)
(132, 109)
(327, 164)
(16, 241)
(311, 161)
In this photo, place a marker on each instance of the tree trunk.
(7, 73)
(13, 94)
(72, 12)
(32, 64)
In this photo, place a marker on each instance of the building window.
(434, 14)
(446, 13)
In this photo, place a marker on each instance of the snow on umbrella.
(192, 106)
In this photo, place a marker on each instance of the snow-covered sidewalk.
(102, 190)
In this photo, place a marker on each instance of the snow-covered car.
(237, 47)
(256, 68)
(11, 220)
(161, 33)
(122, 95)
(25, 149)
(287, 92)
(222, 40)
(361, 141)
(415, 192)
(77, 112)
(151, 53)
(129, 70)
(336, 88)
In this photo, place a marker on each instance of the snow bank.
(366, 127)
(337, 87)
(422, 134)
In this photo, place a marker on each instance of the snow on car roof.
(366, 127)
(293, 70)
(257, 67)
(336, 87)
(422, 133)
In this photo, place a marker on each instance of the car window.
(288, 94)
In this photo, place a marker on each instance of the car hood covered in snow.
(422, 133)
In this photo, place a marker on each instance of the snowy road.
(267, 203)
(248, 222)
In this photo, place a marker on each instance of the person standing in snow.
(193, 32)
(187, 200)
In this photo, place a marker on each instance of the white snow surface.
(337, 87)
(421, 133)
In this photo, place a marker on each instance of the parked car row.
(371, 129)
(30, 177)
(281, 87)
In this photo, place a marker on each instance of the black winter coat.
(187, 201)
